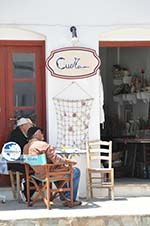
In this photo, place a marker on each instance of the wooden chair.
(44, 187)
(100, 173)
(11, 152)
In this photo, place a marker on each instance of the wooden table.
(135, 142)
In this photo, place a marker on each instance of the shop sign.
(73, 63)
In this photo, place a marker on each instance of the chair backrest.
(34, 160)
(101, 151)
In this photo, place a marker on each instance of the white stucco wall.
(96, 20)
(51, 20)
(86, 12)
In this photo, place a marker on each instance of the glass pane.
(24, 94)
(24, 65)
(26, 114)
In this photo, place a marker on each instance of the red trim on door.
(124, 43)
(7, 48)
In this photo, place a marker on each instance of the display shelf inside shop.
(132, 98)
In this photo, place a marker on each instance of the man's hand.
(71, 161)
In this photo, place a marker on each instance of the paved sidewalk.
(124, 211)
(120, 206)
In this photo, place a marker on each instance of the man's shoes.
(75, 203)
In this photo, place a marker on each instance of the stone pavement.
(133, 211)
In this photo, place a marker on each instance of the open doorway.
(125, 74)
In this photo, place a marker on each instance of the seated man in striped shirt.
(37, 145)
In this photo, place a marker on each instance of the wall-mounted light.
(73, 30)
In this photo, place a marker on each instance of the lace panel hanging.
(73, 118)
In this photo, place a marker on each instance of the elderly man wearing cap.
(36, 146)
(19, 134)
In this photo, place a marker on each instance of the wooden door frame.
(124, 43)
(3, 98)
(41, 69)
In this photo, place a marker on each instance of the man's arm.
(53, 157)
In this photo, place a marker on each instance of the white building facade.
(96, 21)
(51, 21)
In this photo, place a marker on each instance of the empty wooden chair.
(100, 173)
(44, 187)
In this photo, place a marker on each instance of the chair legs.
(18, 186)
(87, 185)
(112, 180)
(90, 187)
(48, 204)
(111, 193)
(42, 190)
(15, 184)
(44, 187)
(12, 182)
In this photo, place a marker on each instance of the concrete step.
(133, 211)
